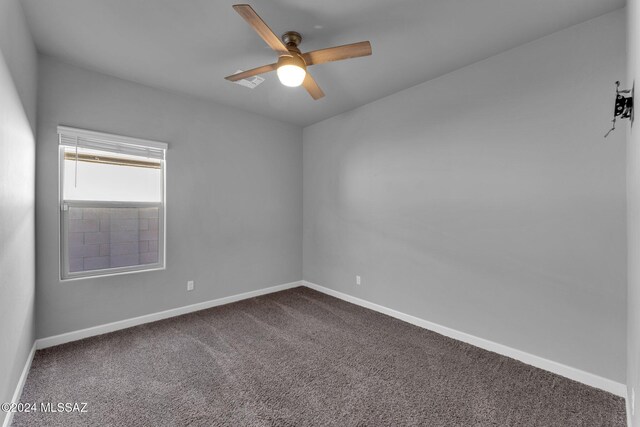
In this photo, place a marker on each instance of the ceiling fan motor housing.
(292, 39)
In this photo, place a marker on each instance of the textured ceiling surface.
(189, 46)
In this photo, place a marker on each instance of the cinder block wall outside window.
(101, 238)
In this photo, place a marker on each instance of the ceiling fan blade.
(337, 53)
(251, 73)
(312, 87)
(261, 28)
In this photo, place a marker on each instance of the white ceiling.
(189, 46)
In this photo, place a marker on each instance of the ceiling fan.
(292, 64)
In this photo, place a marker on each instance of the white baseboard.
(628, 407)
(18, 392)
(148, 318)
(575, 374)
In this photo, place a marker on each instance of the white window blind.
(73, 137)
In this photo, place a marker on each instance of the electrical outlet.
(190, 285)
(358, 281)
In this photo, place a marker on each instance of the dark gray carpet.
(300, 358)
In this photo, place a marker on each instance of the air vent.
(250, 82)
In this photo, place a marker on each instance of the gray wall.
(486, 200)
(18, 80)
(234, 198)
(633, 216)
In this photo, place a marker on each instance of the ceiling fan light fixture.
(291, 75)
(291, 70)
(292, 64)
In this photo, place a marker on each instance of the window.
(112, 203)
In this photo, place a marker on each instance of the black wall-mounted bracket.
(623, 107)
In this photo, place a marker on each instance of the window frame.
(63, 211)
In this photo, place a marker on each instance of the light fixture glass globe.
(291, 75)
(291, 69)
